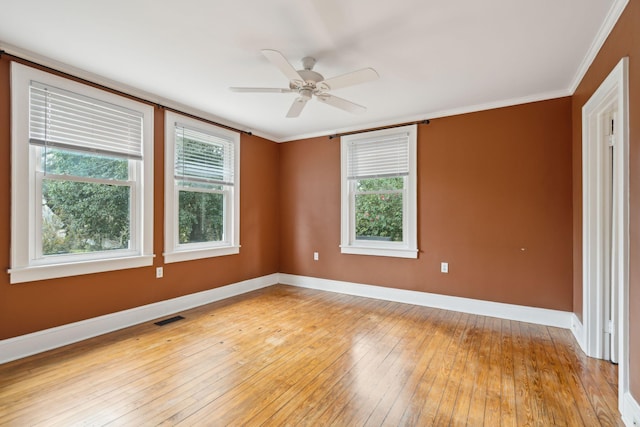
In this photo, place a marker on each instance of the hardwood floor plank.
(372, 402)
(481, 362)
(492, 347)
(540, 406)
(248, 399)
(306, 401)
(455, 392)
(525, 400)
(377, 348)
(336, 354)
(563, 410)
(293, 356)
(444, 367)
(508, 408)
(430, 346)
(587, 382)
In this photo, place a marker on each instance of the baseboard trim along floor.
(37, 342)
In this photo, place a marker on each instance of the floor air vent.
(169, 320)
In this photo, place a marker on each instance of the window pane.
(379, 216)
(79, 217)
(64, 162)
(200, 217)
(376, 184)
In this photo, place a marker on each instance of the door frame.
(612, 92)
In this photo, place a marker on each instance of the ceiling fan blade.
(296, 107)
(277, 59)
(260, 90)
(349, 79)
(341, 103)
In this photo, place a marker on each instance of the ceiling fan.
(308, 83)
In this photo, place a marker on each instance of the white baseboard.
(578, 332)
(630, 411)
(37, 342)
(541, 316)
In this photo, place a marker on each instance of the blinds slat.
(65, 119)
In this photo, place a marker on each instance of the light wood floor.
(290, 356)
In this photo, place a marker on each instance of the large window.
(379, 193)
(202, 193)
(82, 178)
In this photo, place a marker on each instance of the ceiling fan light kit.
(308, 83)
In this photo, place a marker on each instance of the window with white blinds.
(81, 178)
(202, 189)
(379, 193)
(202, 157)
(68, 120)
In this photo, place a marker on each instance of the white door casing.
(611, 96)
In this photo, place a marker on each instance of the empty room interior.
(320, 212)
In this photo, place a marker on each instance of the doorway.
(605, 222)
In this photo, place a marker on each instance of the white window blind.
(64, 119)
(378, 157)
(203, 157)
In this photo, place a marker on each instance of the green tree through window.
(379, 209)
(81, 216)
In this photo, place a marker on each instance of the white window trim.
(409, 247)
(174, 252)
(24, 268)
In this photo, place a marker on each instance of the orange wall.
(33, 306)
(623, 41)
(489, 184)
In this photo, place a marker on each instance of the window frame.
(349, 244)
(26, 264)
(174, 251)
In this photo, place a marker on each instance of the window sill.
(193, 254)
(387, 252)
(53, 271)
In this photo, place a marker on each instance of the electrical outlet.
(444, 267)
(316, 257)
(159, 272)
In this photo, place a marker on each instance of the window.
(202, 190)
(379, 193)
(82, 178)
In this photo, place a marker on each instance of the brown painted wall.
(623, 41)
(489, 184)
(29, 307)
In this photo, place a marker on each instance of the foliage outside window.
(82, 178)
(202, 190)
(379, 193)
(86, 203)
(379, 208)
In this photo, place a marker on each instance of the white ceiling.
(434, 58)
